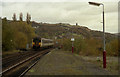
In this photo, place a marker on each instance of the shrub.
(112, 47)
(84, 46)
(79, 44)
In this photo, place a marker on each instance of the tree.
(28, 18)
(7, 36)
(23, 34)
(14, 17)
(76, 24)
(21, 17)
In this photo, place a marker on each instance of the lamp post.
(104, 51)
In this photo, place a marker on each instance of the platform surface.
(61, 63)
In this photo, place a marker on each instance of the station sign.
(72, 39)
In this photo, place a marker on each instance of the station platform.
(58, 62)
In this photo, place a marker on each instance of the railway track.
(9, 61)
(23, 66)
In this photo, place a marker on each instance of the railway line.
(19, 66)
(9, 61)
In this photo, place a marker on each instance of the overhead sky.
(65, 11)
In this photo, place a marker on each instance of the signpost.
(72, 39)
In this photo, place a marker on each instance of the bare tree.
(28, 18)
(21, 17)
(76, 24)
(14, 17)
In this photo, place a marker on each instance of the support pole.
(104, 51)
(72, 48)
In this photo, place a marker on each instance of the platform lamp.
(104, 51)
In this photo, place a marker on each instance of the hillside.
(18, 34)
(65, 30)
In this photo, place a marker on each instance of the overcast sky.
(65, 12)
